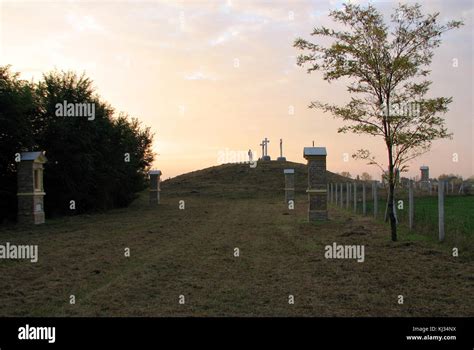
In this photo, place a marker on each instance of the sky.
(215, 77)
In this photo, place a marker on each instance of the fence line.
(354, 196)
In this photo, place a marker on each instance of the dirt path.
(191, 253)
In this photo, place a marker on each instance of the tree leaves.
(385, 65)
(86, 159)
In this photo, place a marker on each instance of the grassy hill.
(242, 181)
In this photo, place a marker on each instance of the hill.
(240, 180)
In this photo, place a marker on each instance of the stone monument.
(289, 185)
(281, 158)
(425, 178)
(264, 145)
(155, 179)
(317, 181)
(30, 188)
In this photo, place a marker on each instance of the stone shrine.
(155, 180)
(317, 183)
(289, 185)
(425, 178)
(30, 188)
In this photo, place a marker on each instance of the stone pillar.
(30, 188)
(155, 179)
(289, 185)
(425, 178)
(317, 196)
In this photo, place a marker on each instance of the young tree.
(387, 66)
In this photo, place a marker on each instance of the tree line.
(100, 163)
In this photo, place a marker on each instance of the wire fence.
(439, 212)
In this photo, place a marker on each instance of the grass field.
(190, 252)
(459, 218)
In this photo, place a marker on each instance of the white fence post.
(342, 195)
(374, 192)
(441, 210)
(355, 197)
(348, 187)
(364, 207)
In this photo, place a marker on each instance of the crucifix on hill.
(264, 145)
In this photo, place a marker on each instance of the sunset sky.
(211, 76)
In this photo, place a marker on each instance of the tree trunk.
(391, 178)
(391, 192)
(391, 214)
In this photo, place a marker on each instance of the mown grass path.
(191, 252)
